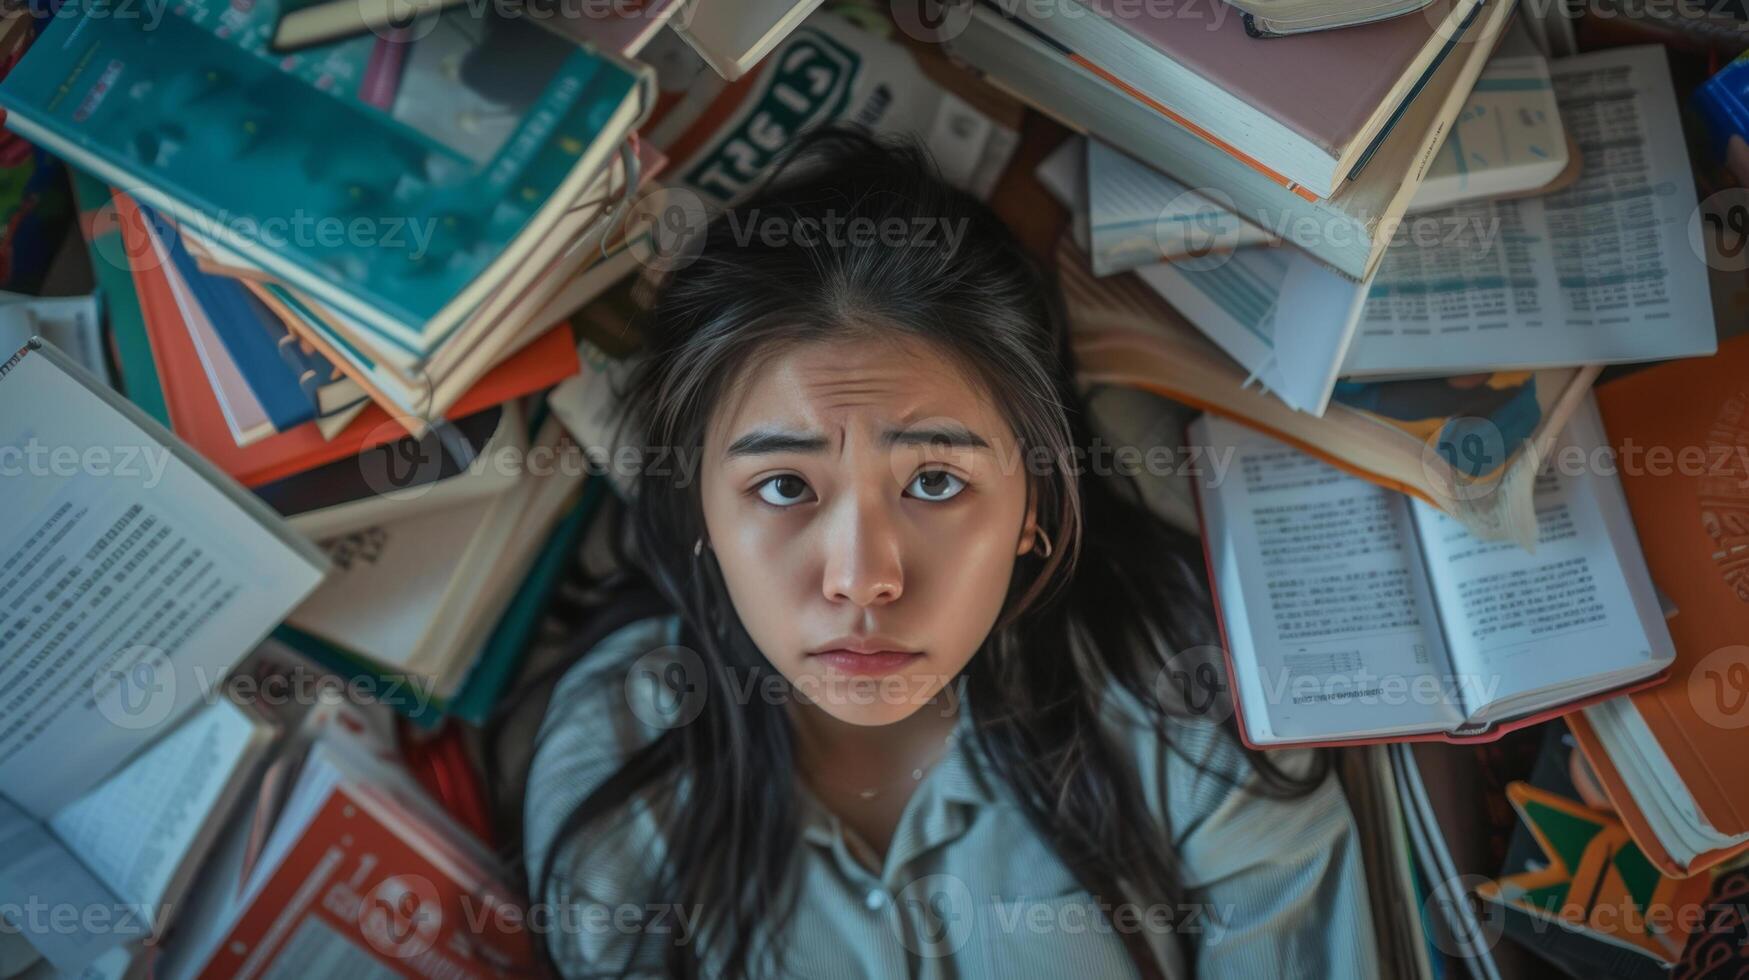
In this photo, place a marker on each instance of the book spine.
(248, 334)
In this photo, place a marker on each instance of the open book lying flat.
(1354, 613)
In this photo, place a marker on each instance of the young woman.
(907, 717)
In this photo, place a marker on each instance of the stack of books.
(1389, 264)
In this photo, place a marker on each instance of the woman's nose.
(862, 556)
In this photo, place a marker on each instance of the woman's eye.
(782, 491)
(935, 485)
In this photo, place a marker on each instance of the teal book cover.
(393, 208)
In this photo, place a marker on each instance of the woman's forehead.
(862, 382)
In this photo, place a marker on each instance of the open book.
(1351, 612)
(129, 848)
(133, 576)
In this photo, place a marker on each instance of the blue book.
(403, 218)
(248, 330)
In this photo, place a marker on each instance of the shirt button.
(875, 899)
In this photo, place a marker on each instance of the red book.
(195, 415)
(364, 874)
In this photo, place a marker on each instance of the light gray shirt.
(967, 888)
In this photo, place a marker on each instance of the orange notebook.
(196, 417)
(1694, 530)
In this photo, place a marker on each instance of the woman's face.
(866, 503)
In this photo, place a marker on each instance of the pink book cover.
(1323, 85)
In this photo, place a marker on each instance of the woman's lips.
(866, 664)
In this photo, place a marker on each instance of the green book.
(117, 299)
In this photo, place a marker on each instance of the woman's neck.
(866, 773)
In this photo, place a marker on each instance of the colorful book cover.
(249, 333)
(196, 417)
(120, 303)
(1576, 888)
(489, 122)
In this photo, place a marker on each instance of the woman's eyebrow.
(761, 442)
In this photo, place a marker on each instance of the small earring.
(698, 548)
(1045, 542)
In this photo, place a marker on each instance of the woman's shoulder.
(1194, 771)
(614, 674)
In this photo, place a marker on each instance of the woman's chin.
(870, 700)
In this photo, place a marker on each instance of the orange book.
(1681, 434)
(365, 875)
(195, 415)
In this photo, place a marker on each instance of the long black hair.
(1119, 593)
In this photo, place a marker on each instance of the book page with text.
(1606, 270)
(132, 577)
(1576, 616)
(1323, 597)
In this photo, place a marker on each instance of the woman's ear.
(1028, 529)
